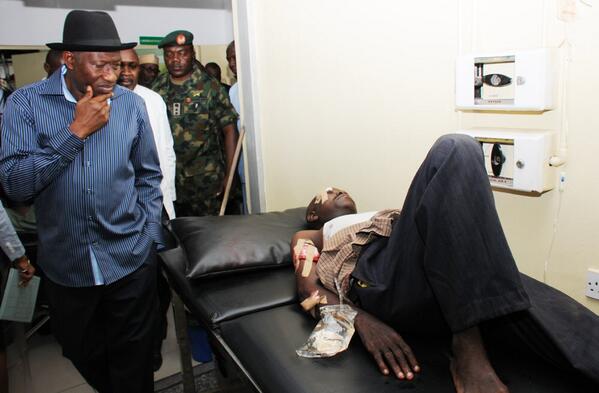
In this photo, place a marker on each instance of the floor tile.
(83, 388)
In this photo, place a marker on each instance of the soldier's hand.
(91, 113)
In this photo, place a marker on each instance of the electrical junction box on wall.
(517, 160)
(514, 81)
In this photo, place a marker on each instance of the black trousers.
(164, 301)
(447, 267)
(107, 331)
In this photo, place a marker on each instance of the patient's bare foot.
(470, 367)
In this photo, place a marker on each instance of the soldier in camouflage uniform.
(203, 122)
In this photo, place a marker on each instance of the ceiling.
(109, 5)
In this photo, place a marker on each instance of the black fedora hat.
(92, 31)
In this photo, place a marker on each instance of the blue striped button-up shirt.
(100, 194)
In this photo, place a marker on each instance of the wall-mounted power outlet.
(592, 283)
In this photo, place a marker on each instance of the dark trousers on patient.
(447, 265)
(107, 331)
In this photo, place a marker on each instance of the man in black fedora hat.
(82, 147)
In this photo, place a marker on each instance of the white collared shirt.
(333, 226)
(164, 144)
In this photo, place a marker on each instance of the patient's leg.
(470, 367)
(465, 256)
(447, 257)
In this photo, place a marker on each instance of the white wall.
(22, 25)
(353, 93)
(28, 67)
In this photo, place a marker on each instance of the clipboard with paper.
(18, 303)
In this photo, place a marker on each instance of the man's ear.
(68, 59)
(312, 217)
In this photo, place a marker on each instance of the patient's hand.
(386, 346)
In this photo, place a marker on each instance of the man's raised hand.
(91, 113)
(386, 346)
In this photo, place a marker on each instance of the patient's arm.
(306, 285)
(386, 346)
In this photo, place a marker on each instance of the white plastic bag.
(332, 334)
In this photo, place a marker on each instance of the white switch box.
(593, 283)
(511, 81)
(517, 160)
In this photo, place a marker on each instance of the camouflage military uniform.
(197, 110)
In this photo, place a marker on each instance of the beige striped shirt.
(340, 253)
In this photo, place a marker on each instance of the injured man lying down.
(442, 267)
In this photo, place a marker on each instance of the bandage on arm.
(297, 249)
(305, 251)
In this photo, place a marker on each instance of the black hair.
(212, 65)
(231, 45)
(53, 55)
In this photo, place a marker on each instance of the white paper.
(18, 303)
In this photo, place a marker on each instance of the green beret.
(177, 37)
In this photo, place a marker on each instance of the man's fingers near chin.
(89, 93)
(102, 97)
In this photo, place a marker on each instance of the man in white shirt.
(160, 126)
(234, 97)
(166, 154)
